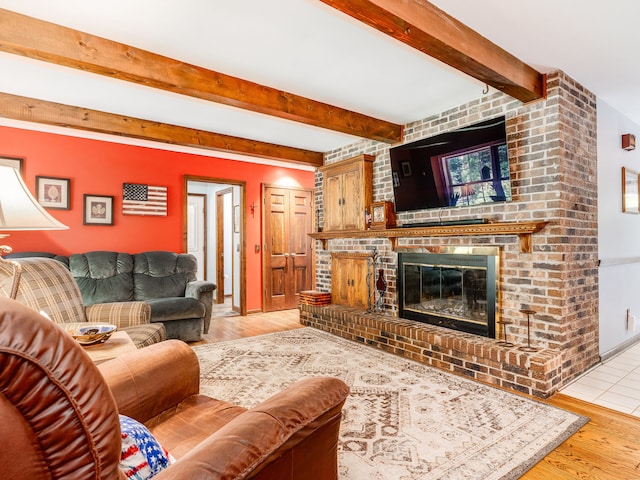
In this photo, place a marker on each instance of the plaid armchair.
(47, 285)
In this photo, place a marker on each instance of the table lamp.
(19, 211)
(466, 191)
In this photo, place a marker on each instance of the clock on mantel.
(383, 215)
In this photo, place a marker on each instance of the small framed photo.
(15, 162)
(406, 169)
(98, 210)
(396, 178)
(53, 192)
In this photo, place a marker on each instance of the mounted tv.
(464, 167)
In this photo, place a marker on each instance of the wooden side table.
(118, 344)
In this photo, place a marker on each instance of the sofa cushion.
(191, 422)
(162, 274)
(145, 335)
(103, 276)
(174, 308)
(46, 285)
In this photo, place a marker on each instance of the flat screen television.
(464, 167)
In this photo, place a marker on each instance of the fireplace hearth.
(454, 288)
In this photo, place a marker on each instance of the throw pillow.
(142, 456)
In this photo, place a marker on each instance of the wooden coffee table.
(118, 344)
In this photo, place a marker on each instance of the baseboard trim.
(620, 348)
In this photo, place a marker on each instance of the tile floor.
(614, 383)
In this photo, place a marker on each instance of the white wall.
(237, 237)
(618, 233)
(228, 244)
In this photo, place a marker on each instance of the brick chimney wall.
(552, 150)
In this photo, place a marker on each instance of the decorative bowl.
(92, 334)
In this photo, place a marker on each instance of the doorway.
(197, 234)
(223, 235)
(224, 245)
(287, 259)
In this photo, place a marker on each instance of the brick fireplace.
(552, 147)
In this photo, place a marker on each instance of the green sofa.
(164, 280)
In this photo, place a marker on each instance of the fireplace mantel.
(523, 230)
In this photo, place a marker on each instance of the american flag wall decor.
(141, 199)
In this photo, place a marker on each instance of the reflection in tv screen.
(464, 167)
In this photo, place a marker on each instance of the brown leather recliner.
(60, 415)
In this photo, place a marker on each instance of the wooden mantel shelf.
(523, 230)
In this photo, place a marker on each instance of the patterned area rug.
(403, 420)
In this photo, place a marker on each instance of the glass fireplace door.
(455, 291)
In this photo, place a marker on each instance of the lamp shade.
(18, 209)
(466, 190)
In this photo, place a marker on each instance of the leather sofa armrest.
(153, 379)
(293, 434)
(203, 291)
(120, 314)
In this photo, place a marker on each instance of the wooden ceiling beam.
(40, 111)
(37, 39)
(425, 27)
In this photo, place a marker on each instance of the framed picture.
(98, 210)
(53, 192)
(630, 191)
(396, 178)
(236, 218)
(406, 169)
(15, 162)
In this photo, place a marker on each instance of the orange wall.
(100, 168)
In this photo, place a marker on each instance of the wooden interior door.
(287, 267)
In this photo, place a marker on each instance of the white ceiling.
(310, 49)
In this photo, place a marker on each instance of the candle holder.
(528, 347)
(504, 342)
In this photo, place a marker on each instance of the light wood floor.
(608, 447)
